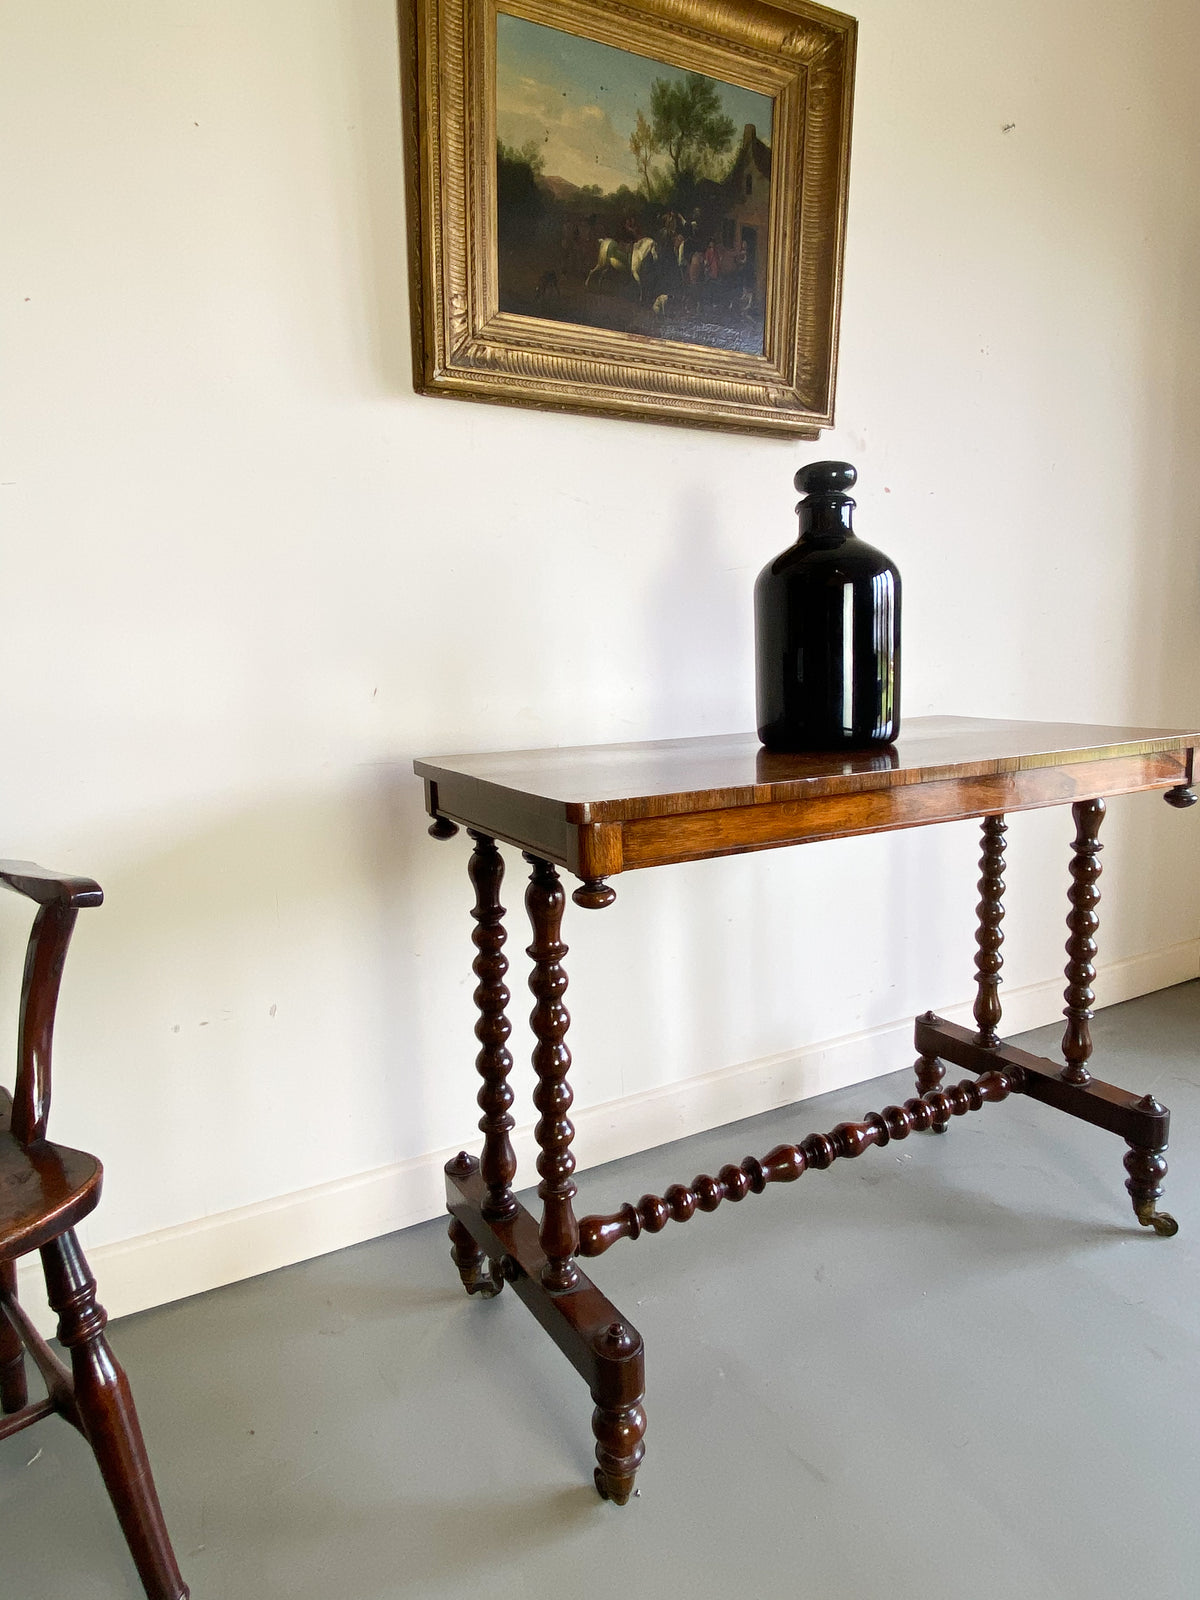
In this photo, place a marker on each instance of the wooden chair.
(45, 1189)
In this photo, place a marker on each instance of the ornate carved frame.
(800, 54)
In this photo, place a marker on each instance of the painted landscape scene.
(630, 195)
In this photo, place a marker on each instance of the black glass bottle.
(827, 628)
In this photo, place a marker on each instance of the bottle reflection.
(777, 766)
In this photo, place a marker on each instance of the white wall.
(249, 575)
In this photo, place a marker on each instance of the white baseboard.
(156, 1268)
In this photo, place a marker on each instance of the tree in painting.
(688, 125)
(643, 142)
(519, 198)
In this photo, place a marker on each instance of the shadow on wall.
(699, 663)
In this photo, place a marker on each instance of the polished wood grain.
(668, 777)
(45, 1189)
(660, 841)
(603, 809)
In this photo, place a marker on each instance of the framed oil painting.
(630, 207)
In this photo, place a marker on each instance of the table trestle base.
(1140, 1120)
(596, 1339)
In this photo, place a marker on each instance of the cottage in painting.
(745, 224)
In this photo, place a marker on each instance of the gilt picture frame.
(630, 208)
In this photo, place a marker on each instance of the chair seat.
(43, 1190)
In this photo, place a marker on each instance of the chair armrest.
(49, 888)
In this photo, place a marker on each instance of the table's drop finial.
(594, 894)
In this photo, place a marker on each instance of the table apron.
(657, 841)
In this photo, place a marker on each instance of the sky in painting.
(579, 100)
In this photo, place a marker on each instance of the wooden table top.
(602, 809)
(669, 777)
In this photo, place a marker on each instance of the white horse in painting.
(639, 260)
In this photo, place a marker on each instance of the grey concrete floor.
(956, 1369)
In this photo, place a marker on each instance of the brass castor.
(1161, 1221)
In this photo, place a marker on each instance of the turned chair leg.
(13, 1390)
(107, 1419)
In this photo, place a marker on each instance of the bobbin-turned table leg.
(988, 937)
(1082, 923)
(498, 1162)
(1145, 1162)
(989, 914)
(493, 1063)
(494, 1239)
(1142, 1122)
(544, 900)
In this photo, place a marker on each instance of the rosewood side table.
(606, 809)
